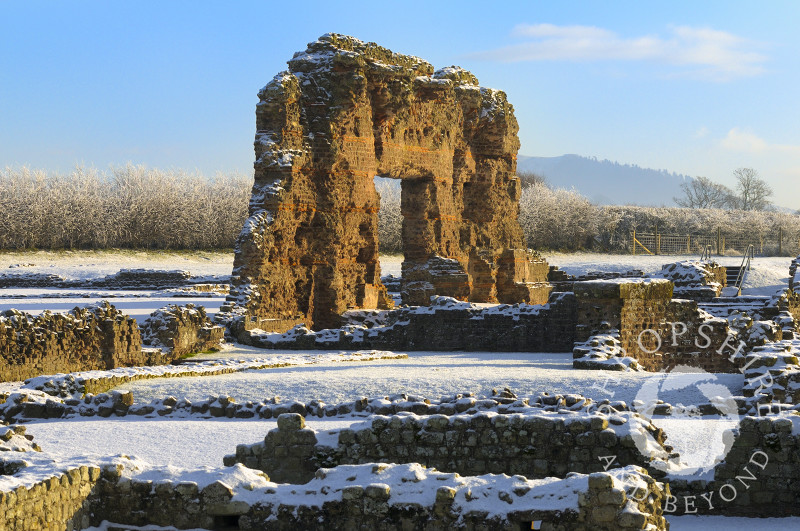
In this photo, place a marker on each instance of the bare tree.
(702, 192)
(753, 191)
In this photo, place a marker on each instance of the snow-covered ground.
(93, 265)
(193, 443)
(391, 265)
(84, 265)
(768, 275)
(429, 374)
(185, 443)
(138, 305)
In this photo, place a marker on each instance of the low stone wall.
(369, 496)
(534, 446)
(790, 301)
(758, 478)
(631, 500)
(183, 330)
(445, 325)
(643, 312)
(87, 495)
(95, 337)
(61, 502)
(697, 280)
(100, 337)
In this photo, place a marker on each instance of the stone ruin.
(345, 112)
(100, 337)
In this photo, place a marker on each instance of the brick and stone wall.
(344, 112)
(698, 280)
(643, 311)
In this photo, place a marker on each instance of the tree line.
(127, 207)
(137, 207)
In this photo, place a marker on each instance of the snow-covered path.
(430, 374)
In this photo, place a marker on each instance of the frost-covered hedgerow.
(138, 207)
(126, 206)
(555, 219)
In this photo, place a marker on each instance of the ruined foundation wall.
(448, 325)
(758, 477)
(61, 502)
(471, 445)
(96, 337)
(344, 112)
(183, 330)
(642, 312)
(87, 496)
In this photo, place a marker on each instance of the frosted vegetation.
(138, 207)
(564, 220)
(125, 206)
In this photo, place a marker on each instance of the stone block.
(291, 422)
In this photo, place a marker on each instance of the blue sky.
(699, 88)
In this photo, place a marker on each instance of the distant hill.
(605, 182)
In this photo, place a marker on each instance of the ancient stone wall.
(643, 312)
(86, 496)
(61, 502)
(446, 325)
(181, 329)
(695, 279)
(606, 502)
(789, 301)
(471, 445)
(95, 337)
(344, 112)
(758, 478)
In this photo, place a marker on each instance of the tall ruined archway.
(344, 112)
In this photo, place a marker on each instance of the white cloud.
(700, 52)
(744, 141)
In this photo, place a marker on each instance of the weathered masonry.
(344, 112)
(99, 337)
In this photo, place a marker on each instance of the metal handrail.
(749, 255)
(706, 254)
